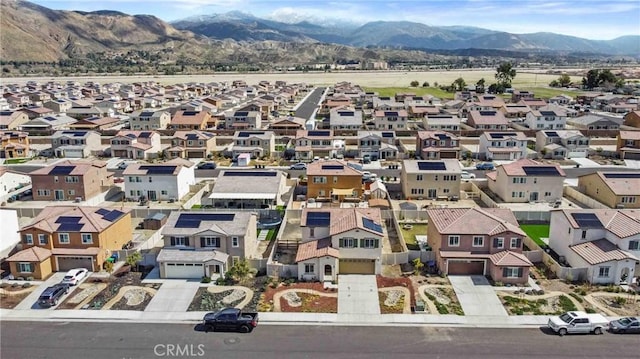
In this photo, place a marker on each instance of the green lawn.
(409, 235)
(13, 161)
(536, 231)
(419, 91)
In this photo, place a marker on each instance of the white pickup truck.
(578, 322)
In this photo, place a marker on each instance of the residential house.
(378, 145)
(546, 119)
(58, 105)
(318, 143)
(533, 103)
(159, 182)
(562, 99)
(628, 145)
(14, 144)
(48, 125)
(503, 145)
(80, 112)
(243, 120)
(34, 112)
(333, 180)
(287, 125)
(435, 145)
(478, 241)
(515, 112)
(206, 244)
(441, 123)
(96, 123)
(150, 120)
(61, 238)
(257, 143)
(10, 236)
(339, 241)
(604, 243)
(614, 189)
(240, 189)
(345, 118)
(11, 181)
(594, 122)
(12, 120)
(526, 180)
(421, 111)
(518, 95)
(190, 120)
(76, 144)
(630, 119)
(487, 120)
(431, 179)
(70, 180)
(191, 144)
(391, 120)
(562, 144)
(136, 144)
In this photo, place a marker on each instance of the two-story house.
(135, 144)
(487, 120)
(190, 120)
(378, 145)
(243, 120)
(11, 181)
(526, 180)
(318, 143)
(604, 243)
(339, 241)
(96, 123)
(345, 118)
(206, 244)
(75, 144)
(396, 120)
(562, 144)
(11, 120)
(159, 182)
(333, 180)
(14, 144)
(630, 119)
(149, 120)
(478, 241)
(61, 238)
(431, 179)
(71, 181)
(435, 145)
(614, 189)
(546, 119)
(441, 122)
(47, 125)
(628, 145)
(60, 105)
(191, 144)
(503, 145)
(257, 143)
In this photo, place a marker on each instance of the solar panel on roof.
(371, 225)
(589, 220)
(68, 219)
(130, 135)
(391, 113)
(244, 134)
(6, 113)
(189, 113)
(75, 133)
(346, 113)
(158, 170)
(621, 175)
(61, 170)
(388, 134)
(145, 134)
(70, 227)
(487, 113)
(431, 166)
(498, 135)
(319, 133)
(333, 167)
(547, 113)
(318, 218)
(250, 174)
(540, 171)
(442, 136)
(113, 215)
(102, 211)
(146, 114)
(49, 118)
(551, 134)
(241, 113)
(193, 220)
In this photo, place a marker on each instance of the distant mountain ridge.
(402, 34)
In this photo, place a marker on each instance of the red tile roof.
(600, 251)
(316, 249)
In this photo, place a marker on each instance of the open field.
(362, 78)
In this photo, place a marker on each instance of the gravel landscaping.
(391, 302)
(444, 299)
(204, 300)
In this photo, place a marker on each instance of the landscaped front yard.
(445, 300)
(290, 296)
(553, 305)
(12, 294)
(536, 231)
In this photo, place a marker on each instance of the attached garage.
(183, 270)
(65, 263)
(196, 154)
(465, 267)
(357, 266)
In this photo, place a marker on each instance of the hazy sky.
(591, 19)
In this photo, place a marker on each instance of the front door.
(151, 195)
(59, 195)
(432, 193)
(533, 196)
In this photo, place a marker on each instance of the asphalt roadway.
(128, 340)
(306, 109)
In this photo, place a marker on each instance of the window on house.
(584, 234)
(28, 238)
(44, 192)
(312, 232)
(42, 239)
(515, 242)
(150, 179)
(478, 241)
(454, 241)
(628, 199)
(512, 272)
(210, 242)
(603, 272)
(634, 245)
(234, 260)
(347, 243)
(164, 192)
(498, 243)
(86, 238)
(235, 242)
(63, 238)
(370, 243)
(547, 194)
(25, 268)
(319, 179)
(519, 180)
(418, 177)
(309, 268)
(72, 192)
(179, 241)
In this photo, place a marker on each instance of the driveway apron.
(173, 296)
(358, 294)
(29, 302)
(476, 296)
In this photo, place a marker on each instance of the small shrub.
(30, 279)
(26, 285)
(577, 297)
(619, 301)
(205, 279)
(15, 285)
(499, 284)
(590, 310)
(566, 304)
(20, 278)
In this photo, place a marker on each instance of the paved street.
(476, 295)
(126, 340)
(306, 109)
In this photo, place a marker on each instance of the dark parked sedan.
(625, 325)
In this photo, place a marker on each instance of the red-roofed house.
(70, 180)
(474, 241)
(526, 180)
(487, 120)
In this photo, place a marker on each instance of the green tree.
(417, 266)
(564, 80)
(108, 267)
(554, 83)
(505, 73)
(240, 271)
(133, 259)
(591, 80)
(459, 84)
(425, 84)
(480, 85)
(415, 83)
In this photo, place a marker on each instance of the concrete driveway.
(175, 295)
(477, 296)
(31, 301)
(358, 294)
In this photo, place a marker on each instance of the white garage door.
(184, 270)
(67, 263)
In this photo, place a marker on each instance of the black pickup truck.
(230, 319)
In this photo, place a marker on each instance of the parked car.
(485, 166)
(122, 165)
(74, 276)
(467, 176)
(230, 319)
(625, 325)
(578, 322)
(52, 295)
(366, 159)
(298, 166)
(366, 175)
(207, 166)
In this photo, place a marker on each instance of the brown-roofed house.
(70, 181)
(333, 180)
(14, 144)
(190, 120)
(614, 189)
(526, 180)
(628, 145)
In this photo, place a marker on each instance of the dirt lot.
(311, 303)
(10, 296)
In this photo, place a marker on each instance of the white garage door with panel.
(184, 270)
(67, 263)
